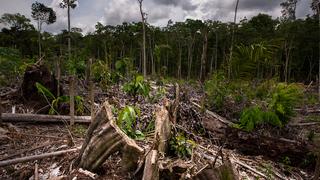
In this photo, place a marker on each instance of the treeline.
(287, 49)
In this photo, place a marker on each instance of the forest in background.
(247, 89)
(285, 48)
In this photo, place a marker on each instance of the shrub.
(181, 146)
(127, 120)
(254, 116)
(284, 99)
(216, 91)
(137, 87)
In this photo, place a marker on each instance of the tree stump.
(103, 139)
(162, 129)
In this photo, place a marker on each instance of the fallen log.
(103, 139)
(8, 117)
(35, 157)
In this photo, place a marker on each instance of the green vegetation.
(56, 102)
(137, 87)
(181, 146)
(127, 122)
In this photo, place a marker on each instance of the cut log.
(175, 106)
(103, 139)
(35, 157)
(8, 117)
(162, 129)
(225, 171)
(151, 168)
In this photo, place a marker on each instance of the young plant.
(127, 122)
(137, 87)
(181, 146)
(56, 102)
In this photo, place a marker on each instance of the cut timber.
(225, 171)
(218, 117)
(151, 168)
(162, 128)
(104, 138)
(35, 157)
(8, 117)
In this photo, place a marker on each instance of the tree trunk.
(204, 55)
(179, 60)
(232, 38)
(39, 37)
(71, 88)
(143, 40)
(104, 138)
(8, 117)
(190, 56)
(317, 169)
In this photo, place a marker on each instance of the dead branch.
(8, 117)
(35, 157)
(216, 116)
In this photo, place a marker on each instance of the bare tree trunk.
(232, 38)
(179, 61)
(190, 56)
(216, 58)
(39, 37)
(143, 39)
(153, 68)
(204, 55)
(287, 48)
(71, 88)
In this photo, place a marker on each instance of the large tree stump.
(103, 139)
(29, 92)
(151, 167)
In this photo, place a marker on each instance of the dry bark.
(151, 168)
(162, 129)
(103, 139)
(8, 117)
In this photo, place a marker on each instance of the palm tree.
(70, 4)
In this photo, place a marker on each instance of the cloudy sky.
(159, 12)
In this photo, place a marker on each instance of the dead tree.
(104, 138)
(144, 56)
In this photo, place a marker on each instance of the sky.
(113, 12)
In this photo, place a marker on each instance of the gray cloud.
(184, 4)
(113, 12)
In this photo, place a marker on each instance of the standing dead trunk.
(190, 55)
(153, 66)
(204, 55)
(143, 18)
(71, 88)
(232, 38)
(287, 49)
(179, 60)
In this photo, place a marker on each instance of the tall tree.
(70, 4)
(144, 19)
(232, 37)
(42, 14)
(289, 9)
(315, 5)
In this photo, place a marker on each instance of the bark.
(204, 55)
(151, 168)
(143, 18)
(162, 129)
(317, 169)
(190, 55)
(232, 38)
(104, 138)
(179, 61)
(8, 117)
(71, 88)
(35, 157)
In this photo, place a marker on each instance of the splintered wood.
(103, 139)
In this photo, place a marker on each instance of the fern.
(285, 99)
(254, 116)
(45, 92)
